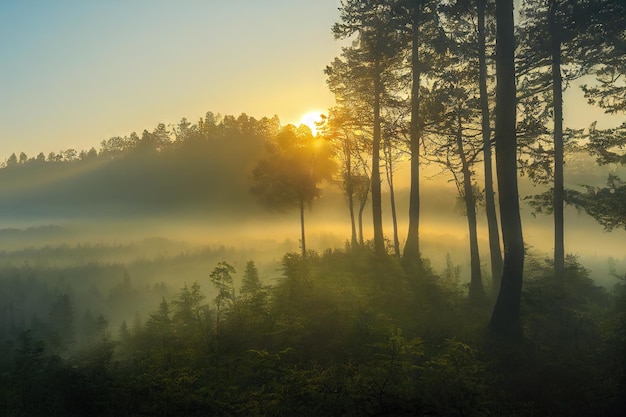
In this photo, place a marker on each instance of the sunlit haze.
(311, 119)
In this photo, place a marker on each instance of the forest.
(375, 264)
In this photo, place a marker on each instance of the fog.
(133, 265)
(196, 242)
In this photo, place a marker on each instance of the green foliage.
(605, 205)
(251, 283)
(561, 368)
(253, 303)
(340, 333)
(223, 281)
(454, 381)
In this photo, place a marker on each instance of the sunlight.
(311, 118)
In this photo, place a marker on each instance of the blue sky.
(77, 72)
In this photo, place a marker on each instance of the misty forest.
(438, 243)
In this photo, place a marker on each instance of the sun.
(311, 118)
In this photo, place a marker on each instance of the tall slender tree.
(458, 146)
(336, 130)
(505, 318)
(346, 133)
(556, 49)
(349, 129)
(376, 47)
(412, 245)
(490, 204)
(607, 204)
(419, 23)
(462, 89)
(557, 96)
(391, 156)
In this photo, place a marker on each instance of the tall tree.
(461, 91)
(376, 46)
(346, 133)
(394, 135)
(412, 247)
(490, 204)
(456, 146)
(391, 155)
(542, 19)
(557, 96)
(505, 318)
(557, 48)
(420, 24)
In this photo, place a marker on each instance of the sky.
(77, 72)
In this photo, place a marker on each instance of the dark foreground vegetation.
(343, 333)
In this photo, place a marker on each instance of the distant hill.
(200, 173)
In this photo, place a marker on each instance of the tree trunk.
(302, 228)
(476, 290)
(353, 239)
(362, 204)
(392, 197)
(350, 191)
(557, 92)
(377, 214)
(505, 319)
(490, 203)
(411, 255)
(361, 208)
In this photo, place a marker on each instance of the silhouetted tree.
(454, 96)
(223, 281)
(505, 318)
(391, 155)
(345, 132)
(12, 161)
(490, 204)
(250, 283)
(290, 175)
(417, 21)
(558, 45)
(373, 53)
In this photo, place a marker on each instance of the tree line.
(162, 137)
(204, 166)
